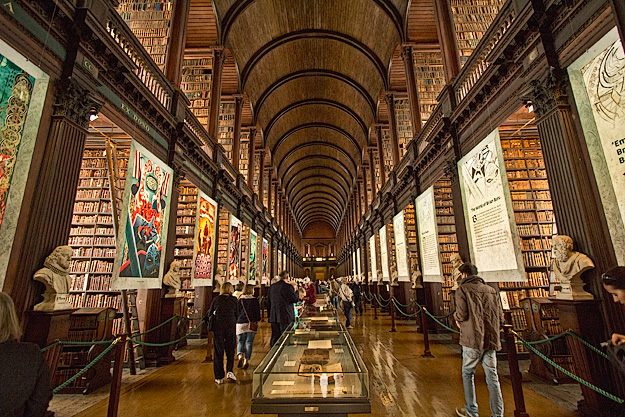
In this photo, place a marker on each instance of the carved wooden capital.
(546, 94)
(451, 170)
(76, 103)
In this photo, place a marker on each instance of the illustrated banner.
(428, 236)
(401, 251)
(384, 254)
(374, 264)
(358, 262)
(598, 80)
(143, 225)
(354, 267)
(205, 239)
(253, 245)
(234, 249)
(265, 261)
(494, 243)
(279, 261)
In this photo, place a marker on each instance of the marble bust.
(172, 279)
(394, 276)
(380, 277)
(568, 266)
(55, 276)
(416, 277)
(219, 279)
(456, 276)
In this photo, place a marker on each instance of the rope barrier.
(446, 315)
(406, 314)
(403, 305)
(139, 342)
(71, 343)
(382, 298)
(377, 298)
(175, 316)
(568, 373)
(440, 323)
(86, 368)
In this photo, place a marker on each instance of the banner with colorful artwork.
(143, 225)
(386, 273)
(374, 266)
(279, 261)
(234, 249)
(23, 88)
(253, 245)
(265, 262)
(204, 243)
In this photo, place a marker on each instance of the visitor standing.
(334, 292)
(311, 292)
(357, 290)
(224, 312)
(247, 325)
(281, 296)
(479, 316)
(347, 297)
(26, 389)
(614, 282)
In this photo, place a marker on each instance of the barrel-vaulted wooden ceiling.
(313, 71)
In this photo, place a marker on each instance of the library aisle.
(401, 382)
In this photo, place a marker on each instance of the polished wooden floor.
(402, 383)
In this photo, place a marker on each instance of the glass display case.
(313, 369)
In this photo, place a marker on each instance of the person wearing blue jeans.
(248, 317)
(347, 297)
(479, 316)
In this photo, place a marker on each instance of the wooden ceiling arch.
(314, 73)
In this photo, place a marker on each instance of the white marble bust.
(456, 276)
(55, 276)
(172, 279)
(394, 276)
(380, 277)
(416, 277)
(568, 266)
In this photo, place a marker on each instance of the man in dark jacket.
(357, 290)
(281, 296)
(479, 316)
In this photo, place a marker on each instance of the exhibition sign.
(253, 245)
(491, 227)
(401, 251)
(234, 249)
(597, 80)
(384, 254)
(279, 261)
(374, 263)
(265, 273)
(143, 225)
(427, 229)
(354, 266)
(358, 262)
(205, 239)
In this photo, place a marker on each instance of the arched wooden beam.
(318, 199)
(311, 101)
(312, 126)
(239, 7)
(334, 160)
(314, 72)
(342, 191)
(295, 36)
(320, 218)
(316, 204)
(345, 185)
(338, 196)
(317, 143)
(316, 211)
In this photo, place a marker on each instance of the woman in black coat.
(224, 310)
(25, 388)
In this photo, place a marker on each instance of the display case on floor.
(312, 373)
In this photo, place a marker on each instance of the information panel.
(358, 262)
(374, 263)
(428, 236)
(279, 261)
(204, 243)
(401, 251)
(253, 246)
(597, 79)
(234, 245)
(265, 273)
(144, 220)
(491, 228)
(384, 255)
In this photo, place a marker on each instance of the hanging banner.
(279, 261)
(234, 246)
(401, 251)
(143, 225)
(374, 264)
(386, 273)
(427, 229)
(205, 239)
(253, 244)
(265, 273)
(491, 227)
(284, 264)
(358, 262)
(597, 79)
(354, 267)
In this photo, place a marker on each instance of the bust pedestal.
(403, 294)
(384, 295)
(163, 355)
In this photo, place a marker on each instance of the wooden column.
(269, 187)
(175, 53)
(360, 204)
(374, 188)
(251, 160)
(447, 39)
(54, 191)
(392, 121)
(378, 133)
(364, 183)
(219, 56)
(261, 179)
(619, 16)
(413, 91)
(276, 198)
(236, 139)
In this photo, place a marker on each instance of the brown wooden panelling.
(202, 27)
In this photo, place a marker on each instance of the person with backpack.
(222, 318)
(247, 325)
(347, 297)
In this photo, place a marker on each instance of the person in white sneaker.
(224, 310)
(479, 316)
(347, 297)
